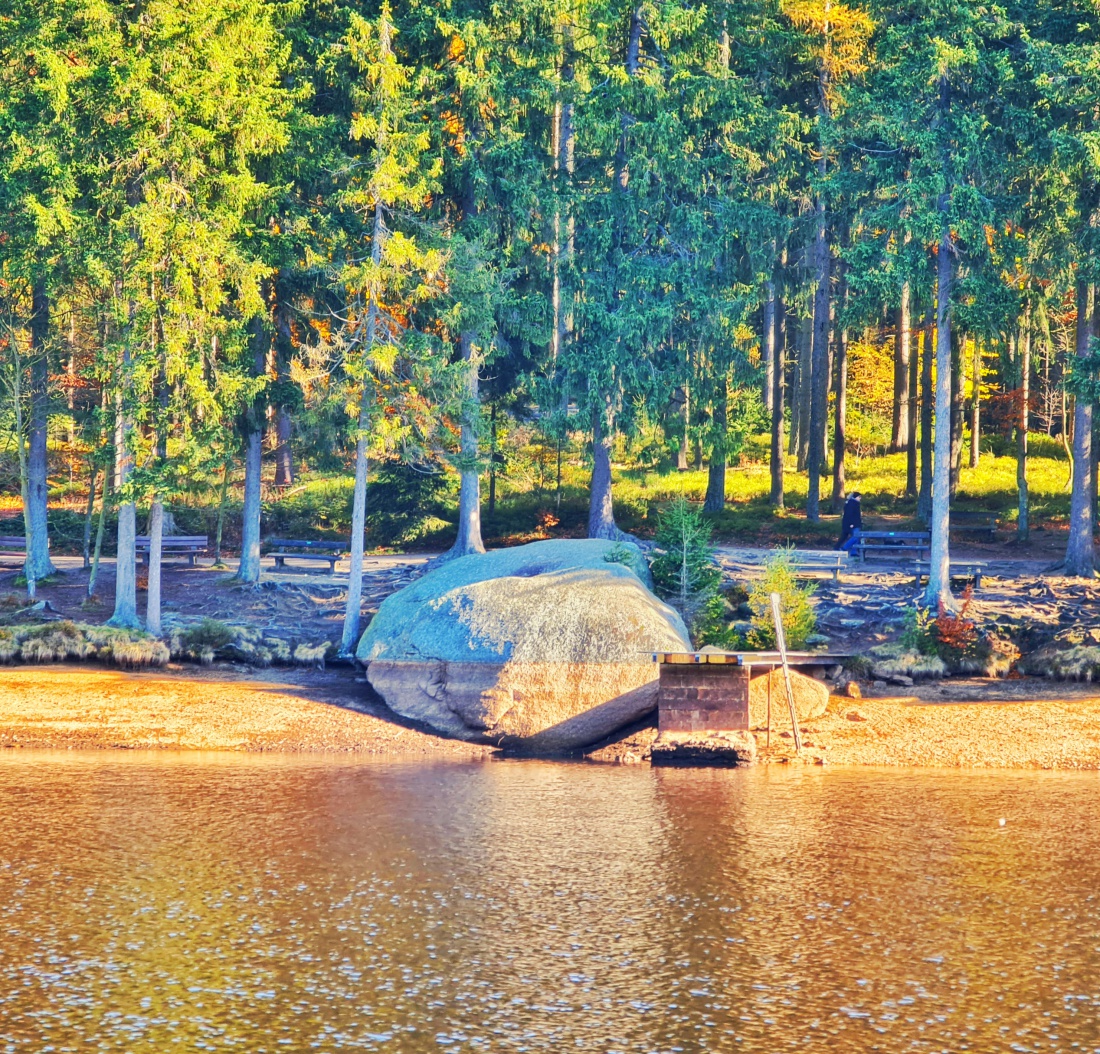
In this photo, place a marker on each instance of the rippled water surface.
(158, 903)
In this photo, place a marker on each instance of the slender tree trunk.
(958, 342)
(819, 369)
(284, 457)
(125, 613)
(564, 227)
(899, 438)
(156, 536)
(769, 329)
(914, 400)
(284, 425)
(88, 510)
(104, 500)
(840, 433)
(685, 431)
(21, 452)
(469, 540)
(601, 513)
(1080, 561)
(1022, 526)
(70, 387)
(715, 500)
(976, 405)
(493, 462)
(223, 494)
(840, 375)
(353, 607)
(939, 572)
(778, 381)
(924, 498)
(38, 539)
(349, 640)
(248, 571)
(804, 395)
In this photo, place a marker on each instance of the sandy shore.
(196, 709)
(1032, 725)
(1061, 731)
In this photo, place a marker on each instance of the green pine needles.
(799, 620)
(685, 574)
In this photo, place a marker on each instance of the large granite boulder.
(544, 647)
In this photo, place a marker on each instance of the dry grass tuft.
(893, 660)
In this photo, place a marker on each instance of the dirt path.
(194, 709)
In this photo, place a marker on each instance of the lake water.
(156, 902)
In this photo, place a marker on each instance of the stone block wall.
(703, 697)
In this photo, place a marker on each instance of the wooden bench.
(12, 545)
(893, 545)
(298, 549)
(831, 560)
(187, 545)
(975, 521)
(959, 570)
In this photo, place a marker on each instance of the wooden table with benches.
(13, 545)
(974, 521)
(304, 549)
(959, 571)
(831, 560)
(186, 545)
(893, 545)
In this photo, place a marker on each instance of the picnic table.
(831, 560)
(12, 545)
(976, 521)
(307, 549)
(186, 545)
(959, 570)
(893, 545)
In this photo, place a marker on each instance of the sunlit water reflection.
(160, 902)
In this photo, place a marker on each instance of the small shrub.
(209, 633)
(685, 574)
(918, 632)
(956, 635)
(796, 609)
(858, 666)
(894, 660)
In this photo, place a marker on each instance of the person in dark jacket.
(851, 523)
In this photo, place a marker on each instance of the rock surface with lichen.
(545, 647)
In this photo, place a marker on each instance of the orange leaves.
(957, 633)
(455, 129)
(456, 48)
(844, 31)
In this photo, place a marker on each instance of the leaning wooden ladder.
(781, 644)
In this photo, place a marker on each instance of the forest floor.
(298, 601)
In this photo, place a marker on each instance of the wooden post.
(769, 740)
(781, 644)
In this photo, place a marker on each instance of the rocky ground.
(1019, 598)
(296, 602)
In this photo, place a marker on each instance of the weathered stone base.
(718, 749)
(540, 708)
